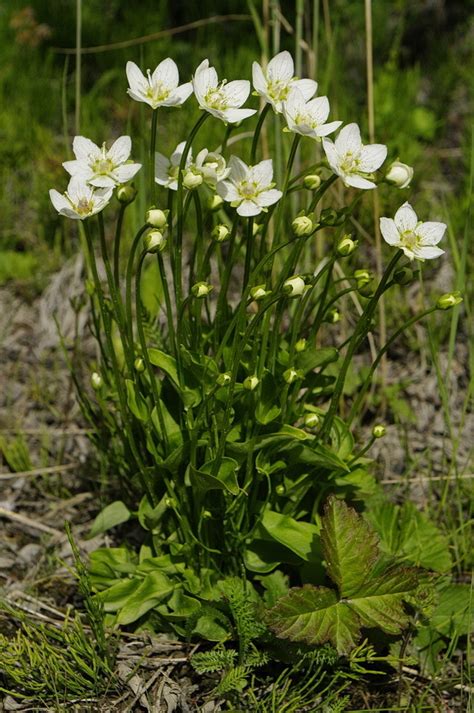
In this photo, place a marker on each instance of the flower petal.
(349, 140)
(326, 129)
(248, 209)
(262, 173)
(167, 73)
(331, 154)
(405, 218)
(236, 92)
(228, 191)
(428, 252)
(358, 182)
(84, 149)
(136, 79)
(307, 87)
(162, 166)
(232, 116)
(179, 95)
(372, 157)
(319, 109)
(269, 197)
(281, 67)
(431, 232)
(126, 172)
(389, 231)
(258, 79)
(120, 150)
(239, 170)
(103, 181)
(58, 200)
(78, 168)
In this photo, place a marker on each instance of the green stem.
(360, 332)
(248, 253)
(169, 308)
(128, 282)
(258, 129)
(117, 240)
(151, 165)
(357, 403)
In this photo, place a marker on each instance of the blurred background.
(422, 54)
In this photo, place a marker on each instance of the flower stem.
(151, 166)
(117, 240)
(258, 129)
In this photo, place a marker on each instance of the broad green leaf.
(181, 606)
(107, 564)
(212, 625)
(224, 479)
(454, 613)
(173, 431)
(152, 590)
(263, 556)
(116, 596)
(349, 547)
(302, 538)
(379, 602)
(149, 517)
(165, 362)
(313, 615)
(310, 358)
(317, 455)
(136, 402)
(114, 514)
(410, 535)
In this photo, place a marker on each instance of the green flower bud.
(312, 182)
(362, 275)
(157, 218)
(126, 194)
(139, 365)
(403, 276)
(192, 180)
(302, 225)
(301, 345)
(220, 233)
(379, 431)
(312, 420)
(206, 514)
(259, 293)
(333, 316)
(201, 290)
(346, 246)
(154, 241)
(294, 286)
(330, 216)
(291, 375)
(280, 489)
(224, 379)
(448, 300)
(366, 288)
(170, 502)
(96, 381)
(399, 174)
(251, 382)
(215, 202)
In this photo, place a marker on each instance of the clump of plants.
(220, 403)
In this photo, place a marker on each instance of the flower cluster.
(250, 189)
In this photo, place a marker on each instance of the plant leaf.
(153, 589)
(302, 538)
(136, 402)
(225, 479)
(314, 615)
(350, 547)
(114, 514)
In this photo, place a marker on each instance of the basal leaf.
(349, 547)
(114, 514)
(153, 589)
(224, 479)
(314, 615)
(302, 538)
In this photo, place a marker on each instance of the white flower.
(223, 100)
(308, 118)
(249, 188)
(160, 88)
(274, 83)
(212, 166)
(351, 160)
(167, 169)
(80, 200)
(99, 167)
(416, 239)
(400, 174)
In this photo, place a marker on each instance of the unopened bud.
(294, 286)
(220, 233)
(403, 276)
(126, 194)
(333, 316)
(280, 489)
(346, 246)
(448, 300)
(331, 216)
(96, 381)
(366, 288)
(291, 375)
(399, 174)
(301, 345)
(215, 202)
(224, 379)
(201, 290)
(379, 431)
(251, 383)
(157, 218)
(154, 241)
(170, 502)
(192, 180)
(312, 182)
(259, 293)
(206, 514)
(303, 225)
(312, 420)
(362, 276)
(139, 365)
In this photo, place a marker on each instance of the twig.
(156, 35)
(23, 520)
(38, 471)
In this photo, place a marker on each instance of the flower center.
(350, 163)
(103, 165)
(409, 239)
(278, 89)
(83, 206)
(156, 91)
(215, 97)
(248, 189)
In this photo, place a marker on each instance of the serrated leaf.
(114, 514)
(349, 547)
(314, 615)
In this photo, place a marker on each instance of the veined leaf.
(302, 538)
(224, 479)
(152, 590)
(114, 514)
(314, 615)
(349, 547)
